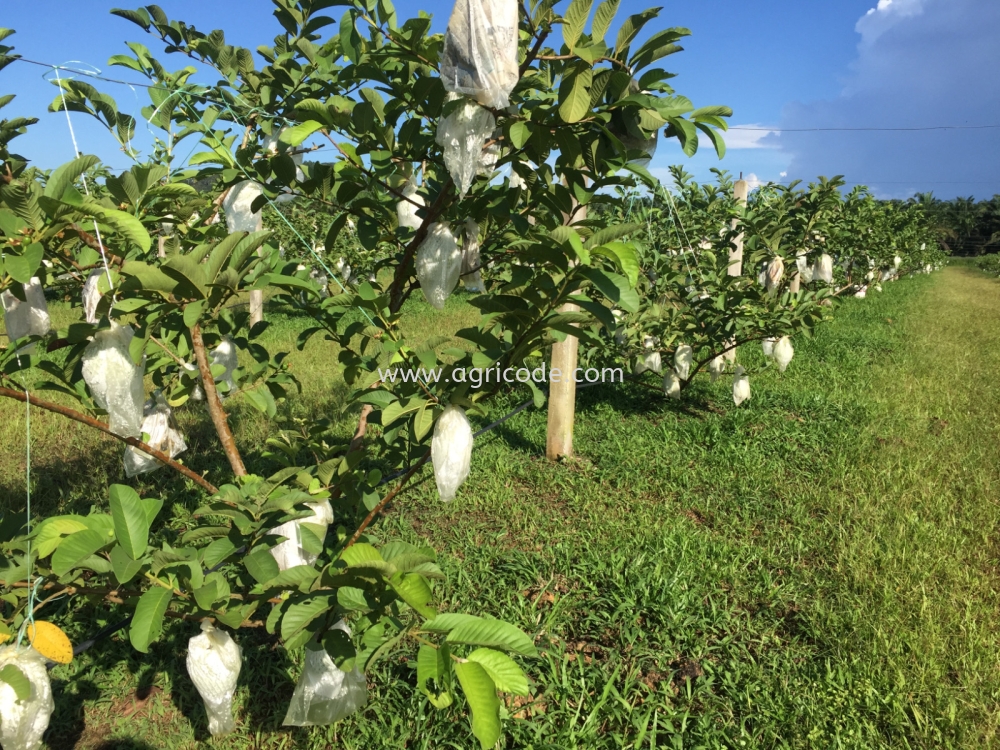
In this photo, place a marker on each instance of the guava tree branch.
(91, 422)
(386, 500)
(215, 410)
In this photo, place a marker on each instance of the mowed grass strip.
(814, 569)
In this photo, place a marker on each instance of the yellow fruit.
(4, 637)
(49, 640)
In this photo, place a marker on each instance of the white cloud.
(920, 64)
(884, 16)
(783, 174)
(750, 138)
(753, 181)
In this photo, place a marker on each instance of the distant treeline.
(964, 226)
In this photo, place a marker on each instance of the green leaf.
(632, 26)
(508, 677)
(260, 563)
(298, 616)
(294, 135)
(519, 134)
(494, 634)
(22, 267)
(67, 174)
(75, 548)
(624, 256)
(14, 677)
(147, 623)
(574, 20)
(574, 94)
(124, 224)
(131, 522)
(447, 622)
(603, 17)
(51, 533)
(435, 664)
(715, 136)
(414, 590)
(481, 694)
(124, 566)
(615, 287)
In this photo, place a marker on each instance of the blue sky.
(778, 64)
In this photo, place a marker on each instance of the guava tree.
(162, 252)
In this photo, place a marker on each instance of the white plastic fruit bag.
(783, 352)
(672, 384)
(897, 262)
(406, 209)
(716, 366)
(23, 722)
(823, 269)
(439, 264)
(325, 693)
(462, 135)
(213, 664)
(774, 274)
(804, 269)
(158, 423)
(451, 451)
(27, 318)
(115, 381)
(682, 361)
(741, 386)
(479, 58)
(768, 346)
(862, 292)
(225, 354)
(472, 278)
(292, 551)
(237, 205)
(92, 296)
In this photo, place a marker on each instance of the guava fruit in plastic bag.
(741, 386)
(462, 135)
(213, 664)
(325, 693)
(237, 205)
(774, 274)
(823, 269)
(114, 380)
(805, 270)
(439, 264)
(672, 384)
(768, 346)
(472, 277)
(683, 357)
(406, 210)
(862, 292)
(225, 354)
(479, 58)
(27, 318)
(157, 422)
(783, 352)
(23, 722)
(92, 296)
(716, 366)
(451, 451)
(292, 551)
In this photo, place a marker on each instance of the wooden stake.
(562, 393)
(257, 295)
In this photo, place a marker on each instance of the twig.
(386, 500)
(91, 422)
(215, 405)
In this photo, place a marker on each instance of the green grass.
(816, 569)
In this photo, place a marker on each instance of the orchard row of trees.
(527, 171)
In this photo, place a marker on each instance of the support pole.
(257, 295)
(562, 393)
(740, 192)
